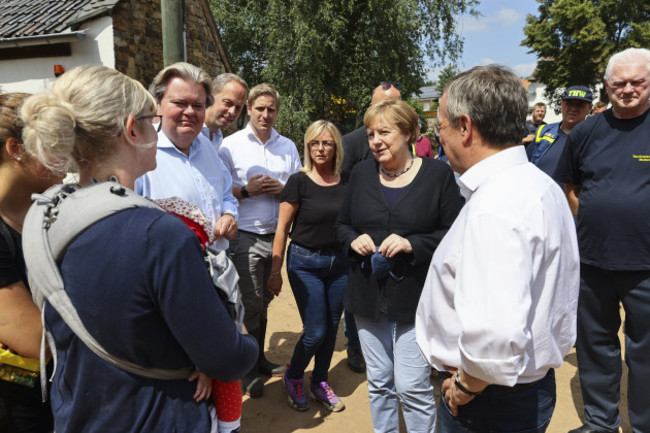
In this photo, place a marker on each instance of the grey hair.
(221, 80)
(186, 72)
(628, 55)
(494, 98)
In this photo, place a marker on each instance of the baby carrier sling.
(57, 217)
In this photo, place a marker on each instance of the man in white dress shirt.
(498, 309)
(260, 161)
(188, 167)
(230, 92)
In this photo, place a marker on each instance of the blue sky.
(495, 36)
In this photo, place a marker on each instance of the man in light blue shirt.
(188, 166)
(230, 92)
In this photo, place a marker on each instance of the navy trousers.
(524, 411)
(599, 350)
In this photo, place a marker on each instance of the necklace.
(400, 173)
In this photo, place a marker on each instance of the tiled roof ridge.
(20, 18)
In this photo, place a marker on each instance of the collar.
(205, 131)
(251, 135)
(479, 172)
(165, 143)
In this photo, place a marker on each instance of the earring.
(18, 158)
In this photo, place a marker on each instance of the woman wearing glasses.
(136, 278)
(395, 211)
(316, 266)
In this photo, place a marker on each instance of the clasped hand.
(391, 246)
(263, 184)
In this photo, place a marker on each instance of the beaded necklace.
(401, 172)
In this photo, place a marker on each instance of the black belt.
(263, 236)
(501, 389)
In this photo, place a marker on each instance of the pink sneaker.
(323, 393)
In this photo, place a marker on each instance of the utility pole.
(172, 31)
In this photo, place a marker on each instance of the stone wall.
(138, 39)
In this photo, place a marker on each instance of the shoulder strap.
(55, 219)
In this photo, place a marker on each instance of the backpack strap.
(57, 217)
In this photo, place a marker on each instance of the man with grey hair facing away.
(230, 92)
(605, 168)
(498, 309)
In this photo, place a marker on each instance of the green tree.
(574, 39)
(326, 56)
(449, 72)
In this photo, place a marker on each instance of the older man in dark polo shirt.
(606, 170)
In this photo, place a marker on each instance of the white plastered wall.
(36, 75)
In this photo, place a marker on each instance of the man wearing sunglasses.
(188, 166)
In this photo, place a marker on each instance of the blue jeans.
(525, 411)
(599, 349)
(318, 279)
(397, 373)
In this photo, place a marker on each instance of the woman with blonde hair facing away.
(136, 278)
(316, 266)
(21, 408)
(396, 210)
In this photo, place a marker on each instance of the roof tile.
(41, 17)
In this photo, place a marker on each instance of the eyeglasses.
(317, 144)
(440, 128)
(385, 85)
(155, 118)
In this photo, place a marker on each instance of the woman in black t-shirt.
(316, 266)
(21, 409)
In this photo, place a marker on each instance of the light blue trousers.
(397, 373)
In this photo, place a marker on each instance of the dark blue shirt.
(550, 158)
(139, 284)
(610, 158)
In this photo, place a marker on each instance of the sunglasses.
(385, 85)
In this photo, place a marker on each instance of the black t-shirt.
(313, 224)
(610, 158)
(531, 128)
(12, 262)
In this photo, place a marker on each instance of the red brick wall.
(138, 39)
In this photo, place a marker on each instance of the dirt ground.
(272, 414)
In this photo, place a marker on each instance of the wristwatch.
(244, 192)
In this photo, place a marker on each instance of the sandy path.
(272, 414)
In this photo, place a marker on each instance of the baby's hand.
(203, 385)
